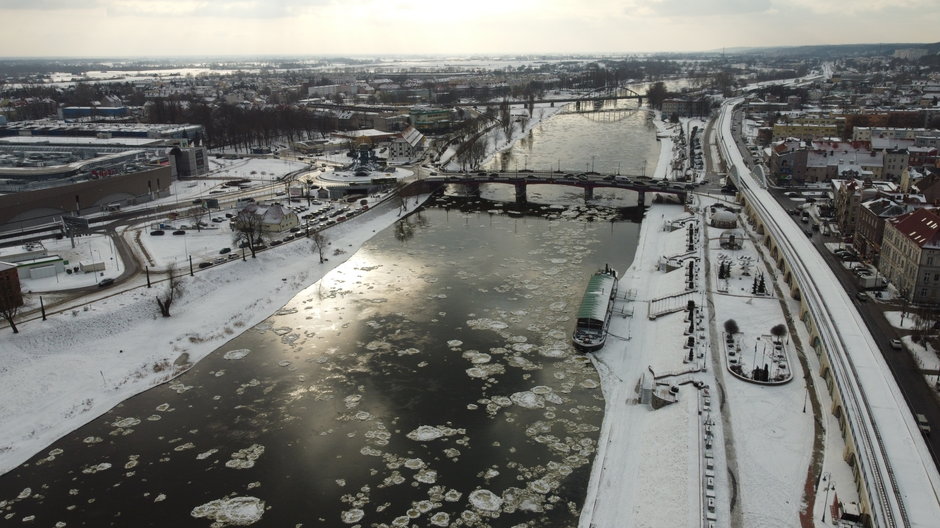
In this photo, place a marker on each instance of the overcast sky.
(117, 28)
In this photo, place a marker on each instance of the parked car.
(105, 282)
(158, 232)
(896, 344)
(225, 250)
(179, 232)
(922, 424)
(862, 296)
(204, 265)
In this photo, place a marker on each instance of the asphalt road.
(920, 395)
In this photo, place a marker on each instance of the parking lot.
(212, 241)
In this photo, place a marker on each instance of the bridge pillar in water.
(521, 197)
(640, 198)
(588, 193)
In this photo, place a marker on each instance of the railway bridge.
(897, 481)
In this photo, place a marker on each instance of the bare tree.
(399, 192)
(320, 241)
(923, 318)
(8, 310)
(197, 214)
(174, 289)
(505, 118)
(248, 230)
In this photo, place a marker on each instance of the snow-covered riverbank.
(59, 374)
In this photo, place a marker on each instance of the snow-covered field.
(88, 249)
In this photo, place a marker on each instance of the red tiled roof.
(921, 226)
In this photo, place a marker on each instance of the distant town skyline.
(122, 28)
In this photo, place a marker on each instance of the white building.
(408, 146)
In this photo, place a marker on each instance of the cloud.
(212, 8)
(678, 8)
(43, 5)
(867, 7)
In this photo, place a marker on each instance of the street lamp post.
(826, 503)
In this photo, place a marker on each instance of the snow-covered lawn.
(903, 320)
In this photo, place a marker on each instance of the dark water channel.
(428, 381)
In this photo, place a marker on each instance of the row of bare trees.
(240, 127)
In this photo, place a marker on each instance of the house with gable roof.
(274, 218)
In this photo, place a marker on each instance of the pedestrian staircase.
(669, 304)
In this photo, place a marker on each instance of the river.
(427, 381)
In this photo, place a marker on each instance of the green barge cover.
(596, 298)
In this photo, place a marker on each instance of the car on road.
(896, 344)
(179, 232)
(862, 296)
(225, 250)
(203, 265)
(158, 232)
(922, 424)
(105, 283)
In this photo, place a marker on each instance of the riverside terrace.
(588, 181)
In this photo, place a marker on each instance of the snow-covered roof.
(412, 136)
(724, 216)
(886, 208)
